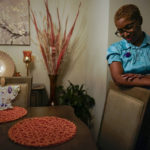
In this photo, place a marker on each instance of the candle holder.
(27, 59)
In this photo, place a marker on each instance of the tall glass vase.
(53, 81)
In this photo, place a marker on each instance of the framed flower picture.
(14, 22)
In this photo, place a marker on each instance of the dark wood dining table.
(83, 139)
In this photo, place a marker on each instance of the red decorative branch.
(52, 46)
(66, 42)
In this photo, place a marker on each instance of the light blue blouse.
(134, 59)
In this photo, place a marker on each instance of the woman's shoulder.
(118, 46)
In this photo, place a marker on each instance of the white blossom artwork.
(14, 22)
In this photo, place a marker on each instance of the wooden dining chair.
(122, 118)
(23, 98)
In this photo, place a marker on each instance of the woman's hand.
(128, 79)
(131, 76)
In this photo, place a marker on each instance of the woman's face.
(128, 29)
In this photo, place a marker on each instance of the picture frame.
(14, 22)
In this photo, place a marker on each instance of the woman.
(129, 59)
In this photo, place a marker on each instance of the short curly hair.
(129, 11)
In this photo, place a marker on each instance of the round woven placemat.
(42, 131)
(12, 114)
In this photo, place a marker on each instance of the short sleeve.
(113, 54)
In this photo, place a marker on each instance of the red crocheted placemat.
(42, 131)
(12, 114)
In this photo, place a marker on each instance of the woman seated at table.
(129, 59)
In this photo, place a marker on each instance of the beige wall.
(96, 66)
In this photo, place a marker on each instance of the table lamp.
(27, 59)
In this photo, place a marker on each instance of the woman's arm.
(130, 79)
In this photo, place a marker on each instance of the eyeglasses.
(128, 28)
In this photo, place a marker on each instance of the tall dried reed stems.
(53, 44)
